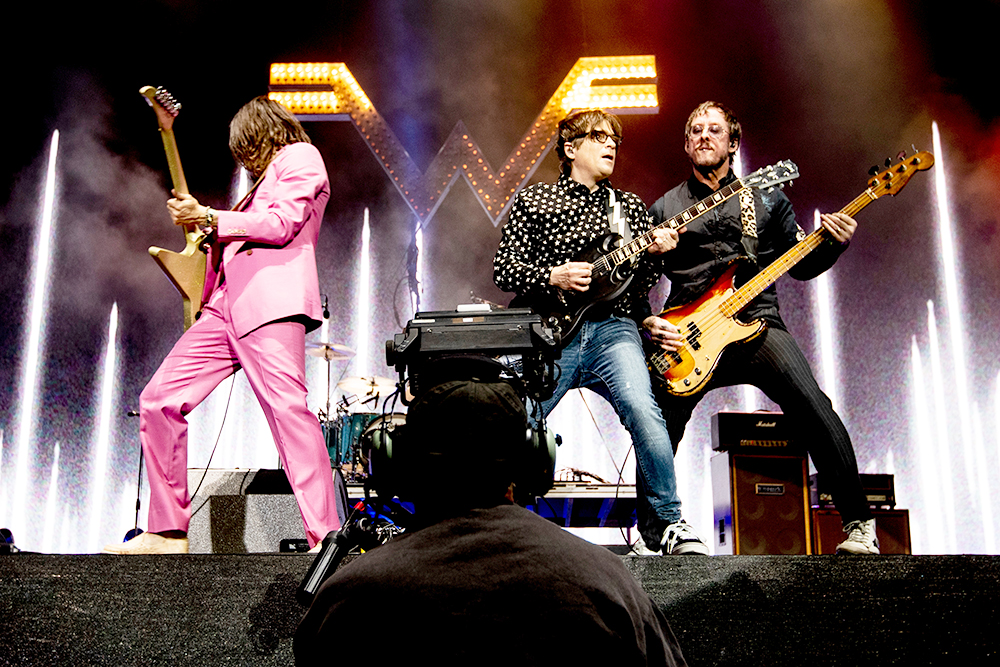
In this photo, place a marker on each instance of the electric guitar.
(612, 261)
(709, 324)
(185, 269)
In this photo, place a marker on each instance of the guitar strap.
(617, 222)
(253, 189)
(748, 220)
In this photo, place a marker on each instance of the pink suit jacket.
(269, 248)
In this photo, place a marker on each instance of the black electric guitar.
(185, 269)
(612, 261)
(709, 324)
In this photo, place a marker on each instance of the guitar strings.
(763, 280)
(634, 247)
(734, 303)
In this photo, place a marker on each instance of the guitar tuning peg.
(914, 147)
(888, 162)
(901, 155)
(873, 170)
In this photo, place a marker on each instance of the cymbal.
(329, 351)
(367, 386)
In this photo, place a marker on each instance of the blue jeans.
(606, 357)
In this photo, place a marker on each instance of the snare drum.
(343, 436)
(387, 421)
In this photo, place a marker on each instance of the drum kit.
(346, 428)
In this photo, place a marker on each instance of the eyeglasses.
(600, 136)
(715, 131)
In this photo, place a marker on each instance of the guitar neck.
(779, 267)
(191, 232)
(174, 161)
(627, 251)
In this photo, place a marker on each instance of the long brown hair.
(259, 130)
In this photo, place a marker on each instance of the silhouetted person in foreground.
(484, 581)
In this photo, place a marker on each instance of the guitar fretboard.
(626, 252)
(779, 267)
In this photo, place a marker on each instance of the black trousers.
(773, 363)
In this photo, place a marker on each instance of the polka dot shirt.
(551, 223)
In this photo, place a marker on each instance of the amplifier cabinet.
(880, 490)
(761, 504)
(892, 527)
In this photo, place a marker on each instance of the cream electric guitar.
(709, 324)
(185, 269)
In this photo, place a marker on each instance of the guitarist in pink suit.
(756, 230)
(261, 298)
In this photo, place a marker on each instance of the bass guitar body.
(708, 329)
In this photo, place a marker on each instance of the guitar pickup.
(694, 335)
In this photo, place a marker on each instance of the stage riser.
(726, 610)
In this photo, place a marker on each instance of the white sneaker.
(680, 540)
(148, 543)
(861, 538)
(639, 548)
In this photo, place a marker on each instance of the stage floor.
(726, 610)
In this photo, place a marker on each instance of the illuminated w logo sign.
(328, 91)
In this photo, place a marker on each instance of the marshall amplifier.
(759, 489)
(880, 490)
(754, 432)
(761, 504)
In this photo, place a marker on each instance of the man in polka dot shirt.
(551, 224)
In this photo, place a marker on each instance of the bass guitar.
(612, 260)
(709, 324)
(185, 269)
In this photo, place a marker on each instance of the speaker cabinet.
(761, 504)
(892, 527)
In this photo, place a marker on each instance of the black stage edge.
(726, 610)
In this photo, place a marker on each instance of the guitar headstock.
(774, 176)
(164, 105)
(892, 180)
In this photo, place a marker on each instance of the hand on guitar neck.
(185, 210)
(839, 225)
